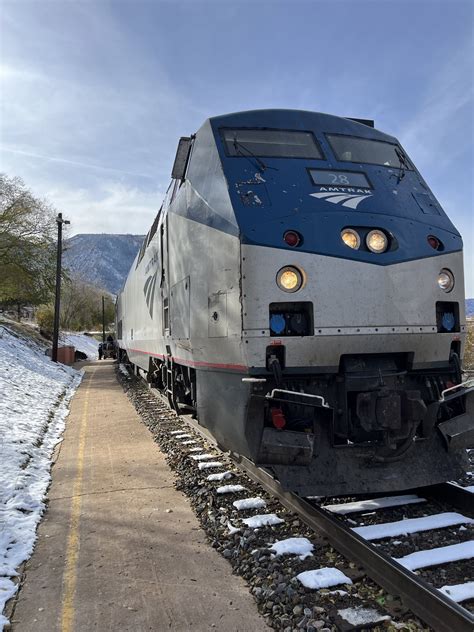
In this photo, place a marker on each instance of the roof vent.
(368, 122)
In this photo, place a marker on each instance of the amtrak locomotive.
(301, 294)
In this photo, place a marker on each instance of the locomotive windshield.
(375, 152)
(270, 143)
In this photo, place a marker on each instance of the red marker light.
(434, 242)
(292, 238)
(278, 418)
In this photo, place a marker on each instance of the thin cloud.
(447, 97)
(74, 162)
(113, 208)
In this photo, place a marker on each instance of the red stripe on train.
(192, 363)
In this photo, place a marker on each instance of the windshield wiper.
(261, 166)
(403, 164)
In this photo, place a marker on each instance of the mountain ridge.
(102, 259)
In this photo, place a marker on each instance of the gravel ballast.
(286, 604)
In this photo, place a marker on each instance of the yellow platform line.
(72, 550)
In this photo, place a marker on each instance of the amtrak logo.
(149, 291)
(350, 198)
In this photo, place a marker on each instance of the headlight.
(446, 280)
(289, 279)
(376, 241)
(350, 238)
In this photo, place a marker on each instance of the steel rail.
(425, 601)
(434, 608)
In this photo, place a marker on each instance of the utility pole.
(103, 319)
(57, 302)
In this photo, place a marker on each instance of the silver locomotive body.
(350, 380)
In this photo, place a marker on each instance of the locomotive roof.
(298, 120)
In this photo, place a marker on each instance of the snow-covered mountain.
(105, 260)
(102, 260)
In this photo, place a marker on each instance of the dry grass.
(469, 350)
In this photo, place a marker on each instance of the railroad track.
(436, 609)
(334, 519)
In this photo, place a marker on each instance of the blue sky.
(95, 94)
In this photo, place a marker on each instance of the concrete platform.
(119, 548)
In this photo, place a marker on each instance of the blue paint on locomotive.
(270, 199)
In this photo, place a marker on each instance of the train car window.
(182, 158)
(270, 143)
(375, 152)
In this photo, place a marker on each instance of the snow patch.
(220, 476)
(362, 616)
(262, 520)
(230, 489)
(375, 503)
(249, 503)
(440, 555)
(203, 457)
(411, 525)
(293, 546)
(209, 465)
(33, 409)
(86, 344)
(459, 592)
(323, 578)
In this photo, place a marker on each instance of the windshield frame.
(316, 142)
(409, 165)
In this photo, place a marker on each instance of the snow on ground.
(203, 457)
(230, 489)
(470, 488)
(263, 520)
(411, 525)
(440, 555)
(35, 395)
(209, 465)
(375, 503)
(362, 616)
(220, 476)
(81, 342)
(459, 592)
(249, 503)
(323, 578)
(123, 369)
(293, 546)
